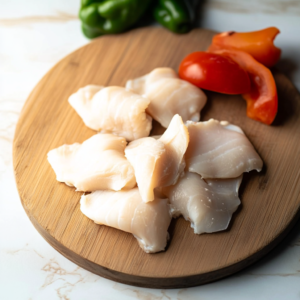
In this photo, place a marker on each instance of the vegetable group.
(252, 53)
(100, 17)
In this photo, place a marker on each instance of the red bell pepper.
(259, 44)
(215, 73)
(262, 101)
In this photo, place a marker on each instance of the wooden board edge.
(161, 282)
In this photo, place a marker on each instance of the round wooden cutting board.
(270, 199)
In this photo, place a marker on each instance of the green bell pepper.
(110, 16)
(176, 15)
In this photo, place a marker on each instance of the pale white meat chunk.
(220, 150)
(208, 204)
(97, 163)
(125, 210)
(169, 95)
(113, 110)
(146, 155)
(176, 140)
(159, 162)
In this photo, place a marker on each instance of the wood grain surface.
(270, 199)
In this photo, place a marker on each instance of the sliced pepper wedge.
(214, 72)
(262, 100)
(259, 44)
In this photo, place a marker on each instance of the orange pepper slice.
(262, 100)
(259, 44)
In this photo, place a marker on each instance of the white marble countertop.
(34, 35)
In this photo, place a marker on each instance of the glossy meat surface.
(176, 140)
(208, 204)
(97, 163)
(126, 211)
(113, 110)
(146, 155)
(220, 150)
(169, 96)
(159, 162)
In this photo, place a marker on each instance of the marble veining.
(59, 17)
(34, 35)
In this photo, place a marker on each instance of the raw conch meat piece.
(146, 155)
(220, 150)
(113, 110)
(159, 162)
(208, 204)
(97, 163)
(169, 96)
(125, 210)
(176, 140)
